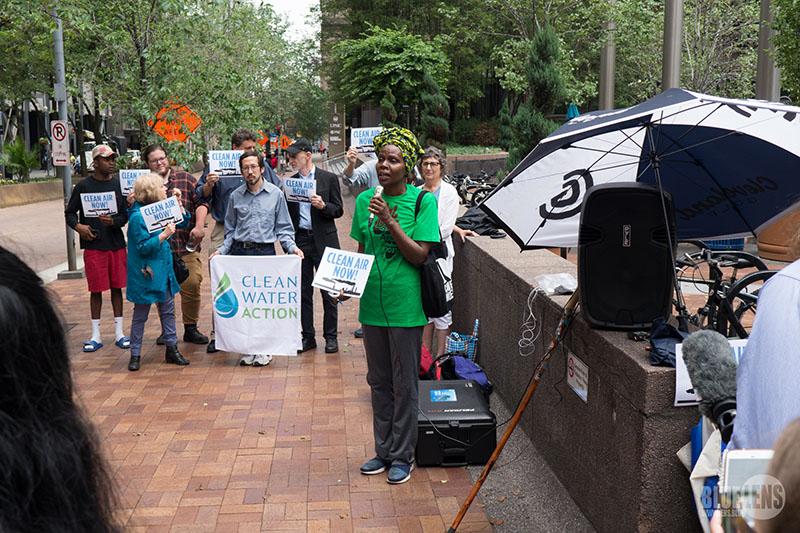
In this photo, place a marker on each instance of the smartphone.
(738, 466)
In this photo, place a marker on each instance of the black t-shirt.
(108, 237)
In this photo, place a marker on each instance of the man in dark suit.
(315, 228)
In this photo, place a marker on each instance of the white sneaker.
(246, 359)
(262, 359)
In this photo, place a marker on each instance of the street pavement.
(218, 447)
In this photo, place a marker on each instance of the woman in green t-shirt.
(387, 226)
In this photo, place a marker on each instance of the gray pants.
(392, 373)
(166, 312)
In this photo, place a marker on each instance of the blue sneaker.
(376, 465)
(399, 473)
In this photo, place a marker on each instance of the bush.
(464, 130)
(19, 160)
(487, 133)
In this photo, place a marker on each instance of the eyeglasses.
(251, 167)
(430, 164)
(159, 160)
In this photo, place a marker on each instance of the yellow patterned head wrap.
(405, 141)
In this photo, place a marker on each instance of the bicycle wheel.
(742, 300)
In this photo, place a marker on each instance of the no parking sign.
(59, 143)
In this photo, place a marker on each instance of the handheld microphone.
(378, 192)
(713, 374)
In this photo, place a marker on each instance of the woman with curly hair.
(389, 227)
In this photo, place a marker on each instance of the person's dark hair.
(150, 149)
(242, 135)
(52, 477)
(252, 153)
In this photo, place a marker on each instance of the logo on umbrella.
(570, 196)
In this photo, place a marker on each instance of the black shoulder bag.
(436, 282)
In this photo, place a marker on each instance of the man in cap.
(315, 228)
(104, 252)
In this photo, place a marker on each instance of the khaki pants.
(190, 288)
(217, 237)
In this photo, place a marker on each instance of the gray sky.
(296, 11)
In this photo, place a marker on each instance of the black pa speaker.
(625, 263)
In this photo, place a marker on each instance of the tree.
(545, 92)
(787, 46)
(435, 110)
(386, 67)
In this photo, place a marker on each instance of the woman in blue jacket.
(151, 278)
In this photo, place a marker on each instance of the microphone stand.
(561, 330)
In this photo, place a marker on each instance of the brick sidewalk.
(219, 447)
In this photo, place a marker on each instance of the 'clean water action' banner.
(256, 303)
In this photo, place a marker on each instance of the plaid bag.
(466, 345)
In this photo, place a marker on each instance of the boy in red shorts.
(102, 241)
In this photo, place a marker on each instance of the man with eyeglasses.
(216, 193)
(255, 218)
(185, 242)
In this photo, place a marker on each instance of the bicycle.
(471, 191)
(731, 301)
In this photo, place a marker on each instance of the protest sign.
(684, 391)
(299, 190)
(361, 138)
(95, 204)
(127, 177)
(343, 272)
(257, 303)
(157, 215)
(224, 162)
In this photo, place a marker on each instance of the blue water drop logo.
(225, 301)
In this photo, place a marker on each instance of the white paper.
(684, 391)
(256, 304)
(361, 138)
(157, 215)
(299, 190)
(341, 271)
(224, 162)
(128, 176)
(95, 204)
(578, 376)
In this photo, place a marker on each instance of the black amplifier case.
(458, 409)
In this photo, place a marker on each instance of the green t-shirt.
(392, 296)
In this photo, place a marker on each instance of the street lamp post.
(63, 172)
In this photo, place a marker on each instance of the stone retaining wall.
(615, 454)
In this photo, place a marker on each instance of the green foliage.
(787, 45)
(19, 160)
(459, 149)
(504, 132)
(435, 111)
(545, 92)
(386, 66)
(464, 130)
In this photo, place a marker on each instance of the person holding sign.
(255, 218)
(315, 228)
(216, 191)
(102, 240)
(185, 242)
(151, 277)
(388, 227)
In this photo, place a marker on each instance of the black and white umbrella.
(731, 166)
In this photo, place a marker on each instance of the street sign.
(59, 138)
(285, 142)
(173, 120)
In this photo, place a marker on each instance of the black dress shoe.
(191, 334)
(331, 346)
(160, 340)
(359, 333)
(308, 344)
(133, 364)
(173, 356)
(212, 347)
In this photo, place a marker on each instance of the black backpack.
(436, 281)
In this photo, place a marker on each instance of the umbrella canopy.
(731, 167)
